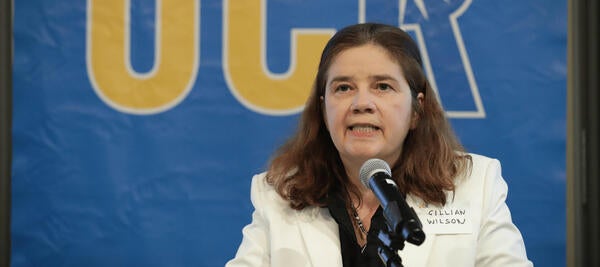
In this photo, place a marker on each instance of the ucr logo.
(433, 24)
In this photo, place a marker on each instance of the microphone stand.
(387, 247)
(392, 238)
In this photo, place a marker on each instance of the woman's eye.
(383, 86)
(342, 88)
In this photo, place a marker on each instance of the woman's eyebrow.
(340, 79)
(381, 77)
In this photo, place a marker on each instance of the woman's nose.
(363, 102)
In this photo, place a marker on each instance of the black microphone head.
(372, 166)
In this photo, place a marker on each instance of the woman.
(371, 99)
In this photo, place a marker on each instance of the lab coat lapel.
(321, 236)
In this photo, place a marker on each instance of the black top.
(352, 254)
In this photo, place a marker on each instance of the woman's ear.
(415, 117)
(421, 98)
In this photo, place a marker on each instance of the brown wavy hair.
(308, 167)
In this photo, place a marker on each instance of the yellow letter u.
(175, 62)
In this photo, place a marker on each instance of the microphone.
(401, 219)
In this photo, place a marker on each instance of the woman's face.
(368, 105)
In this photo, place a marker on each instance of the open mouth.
(364, 128)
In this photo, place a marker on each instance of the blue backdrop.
(136, 129)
